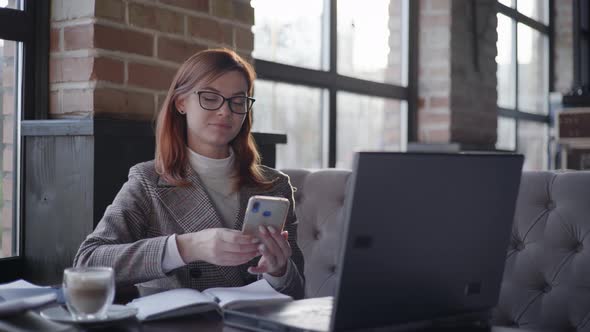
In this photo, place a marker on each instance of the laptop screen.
(426, 236)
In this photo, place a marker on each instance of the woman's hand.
(275, 250)
(219, 246)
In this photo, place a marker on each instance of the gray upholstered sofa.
(547, 275)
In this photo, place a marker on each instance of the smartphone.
(266, 211)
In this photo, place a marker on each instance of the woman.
(176, 222)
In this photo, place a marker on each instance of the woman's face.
(210, 131)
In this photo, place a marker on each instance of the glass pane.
(506, 134)
(296, 111)
(509, 3)
(506, 64)
(533, 71)
(8, 114)
(291, 32)
(535, 9)
(370, 40)
(13, 4)
(367, 123)
(532, 142)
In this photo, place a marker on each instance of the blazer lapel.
(190, 206)
(194, 211)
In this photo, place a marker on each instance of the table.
(213, 323)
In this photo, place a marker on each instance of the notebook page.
(256, 293)
(165, 304)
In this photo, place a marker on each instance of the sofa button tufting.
(520, 246)
(547, 289)
(316, 234)
(579, 247)
(332, 268)
(550, 205)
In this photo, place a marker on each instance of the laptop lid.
(426, 236)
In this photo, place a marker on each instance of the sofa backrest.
(547, 273)
(319, 201)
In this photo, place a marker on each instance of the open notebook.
(186, 301)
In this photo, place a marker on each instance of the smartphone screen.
(267, 211)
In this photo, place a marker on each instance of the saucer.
(115, 313)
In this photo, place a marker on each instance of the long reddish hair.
(171, 128)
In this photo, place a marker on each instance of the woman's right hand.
(219, 246)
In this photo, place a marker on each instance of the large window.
(335, 76)
(23, 95)
(524, 79)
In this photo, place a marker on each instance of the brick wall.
(434, 81)
(564, 57)
(473, 74)
(116, 58)
(457, 79)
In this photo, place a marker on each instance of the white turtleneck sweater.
(218, 182)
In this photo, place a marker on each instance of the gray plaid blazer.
(131, 236)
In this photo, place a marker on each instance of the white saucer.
(116, 312)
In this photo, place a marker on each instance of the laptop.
(425, 241)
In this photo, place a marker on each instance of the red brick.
(7, 216)
(196, 5)
(7, 159)
(247, 57)
(160, 98)
(436, 20)
(7, 189)
(8, 106)
(78, 37)
(110, 70)
(208, 29)
(223, 8)
(6, 244)
(113, 10)
(122, 104)
(155, 18)
(244, 39)
(243, 12)
(421, 102)
(54, 104)
(9, 48)
(8, 76)
(140, 105)
(54, 40)
(439, 102)
(426, 118)
(77, 103)
(177, 50)
(70, 69)
(439, 5)
(123, 40)
(109, 101)
(435, 135)
(8, 133)
(150, 76)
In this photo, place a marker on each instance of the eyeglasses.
(212, 101)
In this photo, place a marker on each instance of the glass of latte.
(89, 291)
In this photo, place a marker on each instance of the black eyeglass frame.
(250, 102)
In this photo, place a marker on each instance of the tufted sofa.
(547, 274)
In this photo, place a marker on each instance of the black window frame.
(334, 82)
(30, 26)
(548, 30)
(581, 13)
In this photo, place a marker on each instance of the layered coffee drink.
(89, 291)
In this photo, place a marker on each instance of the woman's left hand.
(275, 250)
